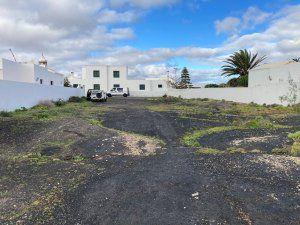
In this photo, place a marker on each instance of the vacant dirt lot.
(150, 161)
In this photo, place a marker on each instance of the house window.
(96, 86)
(51, 82)
(142, 87)
(41, 81)
(116, 74)
(116, 85)
(160, 86)
(75, 85)
(96, 73)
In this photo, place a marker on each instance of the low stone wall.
(14, 95)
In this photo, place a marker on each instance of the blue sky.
(149, 36)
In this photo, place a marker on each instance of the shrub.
(259, 122)
(295, 136)
(60, 103)
(234, 150)
(45, 104)
(295, 151)
(5, 114)
(208, 151)
(77, 99)
(281, 151)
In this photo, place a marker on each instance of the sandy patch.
(238, 142)
(140, 146)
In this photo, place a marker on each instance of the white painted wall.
(29, 73)
(20, 72)
(14, 95)
(276, 73)
(47, 76)
(261, 94)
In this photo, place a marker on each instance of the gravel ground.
(132, 179)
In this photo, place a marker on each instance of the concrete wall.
(20, 72)
(14, 95)
(276, 73)
(261, 95)
(47, 76)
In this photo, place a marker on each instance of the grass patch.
(295, 151)
(5, 114)
(282, 151)
(234, 150)
(191, 139)
(295, 136)
(95, 122)
(208, 151)
(261, 123)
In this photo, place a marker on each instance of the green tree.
(239, 63)
(185, 78)
(67, 82)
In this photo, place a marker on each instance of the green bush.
(259, 122)
(5, 114)
(295, 136)
(208, 151)
(295, 151)
(281, 151)
(77, 99)
(60, 103)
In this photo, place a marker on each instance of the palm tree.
(296, 59)
(239, 63)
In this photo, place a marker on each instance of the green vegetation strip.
(191, 139)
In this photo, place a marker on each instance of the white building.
(275, 73)
(30, 73)
(107, 77)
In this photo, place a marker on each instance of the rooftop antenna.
(13, 55)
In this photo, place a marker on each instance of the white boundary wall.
(261, 94)
(14, 95)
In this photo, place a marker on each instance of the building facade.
(107, 77)
(30, 73)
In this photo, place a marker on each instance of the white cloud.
(228, 25)
(250, 19)
(73, 33)
(145, 4)
(108, 16)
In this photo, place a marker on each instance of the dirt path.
(179, 187)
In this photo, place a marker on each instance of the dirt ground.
(126, 162)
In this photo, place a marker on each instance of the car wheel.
(109, 95)
(125, 95)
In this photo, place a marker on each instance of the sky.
(150, 36)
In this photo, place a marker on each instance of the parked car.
(117, 92)
(96, 95)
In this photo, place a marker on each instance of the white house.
(108, 77)
(274, 74)
(30, 73)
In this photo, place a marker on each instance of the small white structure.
(107, 77)
(30, 73)
(275, 73)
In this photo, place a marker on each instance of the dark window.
(96, 86)
(41, 81)
(51, 82)
(142, 87)
(75, 85)
(96, 73)
(160, 86)
(116, 85)
(116, 74)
